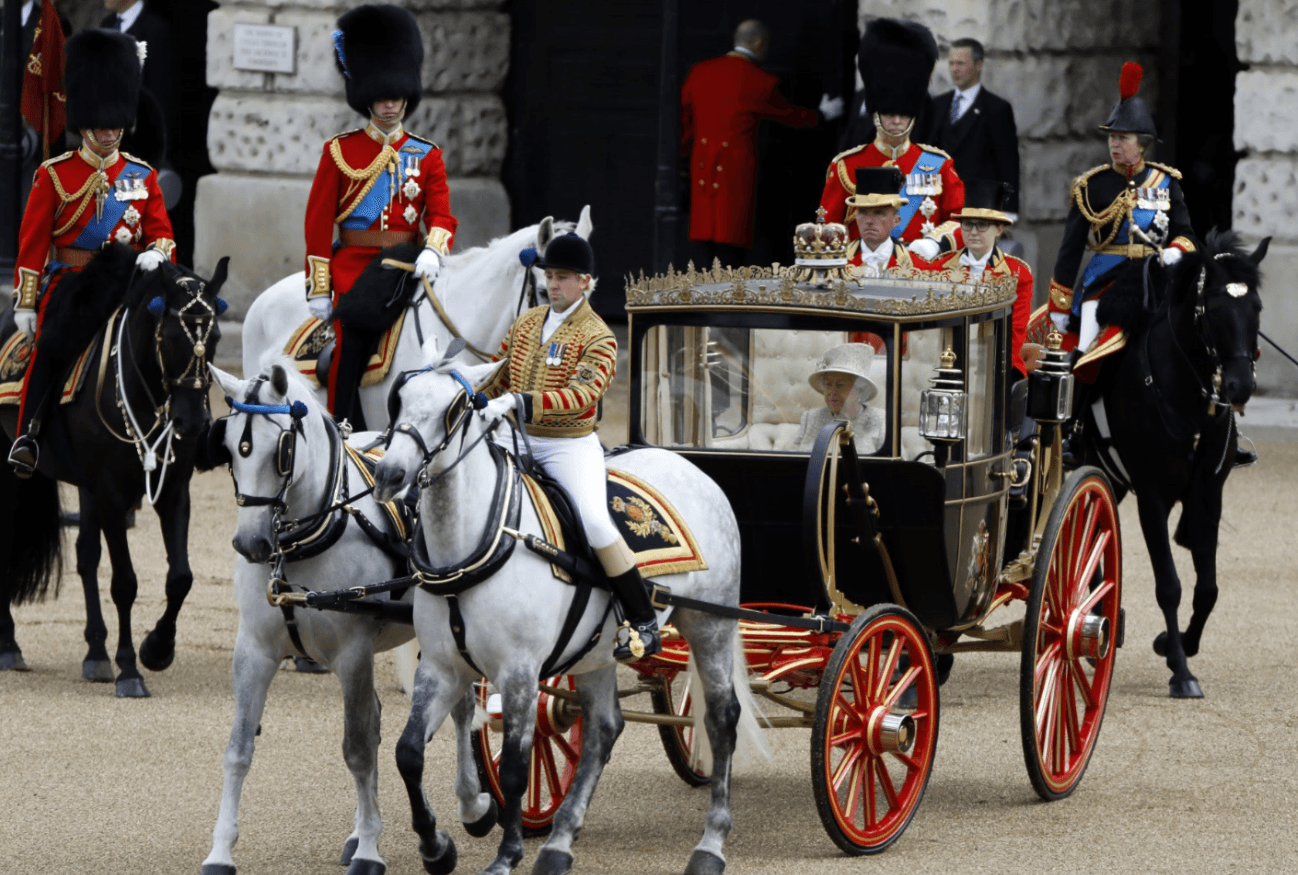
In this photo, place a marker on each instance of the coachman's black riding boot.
(642, 638)
(350, 359)
(25, 452)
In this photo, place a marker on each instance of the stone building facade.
(266, 131)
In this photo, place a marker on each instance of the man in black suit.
(975, 126)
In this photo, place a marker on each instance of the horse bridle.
(454, 423)
(285, 446)
(195, 375)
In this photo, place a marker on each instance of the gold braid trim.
(29, 286)
(165, 245)
(1061, 297)
(843, 180)
(96, 184)
(1170, 171)
(368, 176)
(1114, 213)
(438, 238)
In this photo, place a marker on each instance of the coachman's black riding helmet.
(568, 252)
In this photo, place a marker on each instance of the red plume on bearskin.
(1129, 82)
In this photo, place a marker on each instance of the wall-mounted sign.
(266, 48)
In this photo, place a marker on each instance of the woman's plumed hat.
(1130, 115)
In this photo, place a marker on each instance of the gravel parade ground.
(92, 783)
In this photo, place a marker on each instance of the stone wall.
(1057, 62)
(1266, 178)
(266, 131)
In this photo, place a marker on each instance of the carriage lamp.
(942, 407)
(820, 251)
(1050, 390)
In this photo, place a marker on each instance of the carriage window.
(748, 389)
(981, 371)
(920, 357)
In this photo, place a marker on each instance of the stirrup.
(636, 641)
(24, 455)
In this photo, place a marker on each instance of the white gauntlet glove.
(26, 322)
(830, 107)
(149, 260)
(497, 408)
(1060, 320)
(926, 248)
(321, 307)
(429, 264)
(1171, 255)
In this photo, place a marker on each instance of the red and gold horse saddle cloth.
(1110, 339)
(16, 355)
(312, 336)
(650, 525)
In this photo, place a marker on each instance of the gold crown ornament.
(820, 250)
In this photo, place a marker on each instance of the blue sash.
(1101, 264)
(122, 195)
(368, 210)
(913, 201)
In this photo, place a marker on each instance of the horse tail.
(751, 736)
(36, 545)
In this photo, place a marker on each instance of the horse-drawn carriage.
(859, 569)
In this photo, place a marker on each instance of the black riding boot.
(25, 453)
(350, 359)
(642, 634)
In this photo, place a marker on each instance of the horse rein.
(457, 420)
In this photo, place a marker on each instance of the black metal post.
(666, 205)
(11, 131)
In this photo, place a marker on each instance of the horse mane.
(1224, 250)
(85, 299)
(379, 294)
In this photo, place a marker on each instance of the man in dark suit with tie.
(975, 126)
(159, 75)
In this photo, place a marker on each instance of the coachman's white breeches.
(578, 464)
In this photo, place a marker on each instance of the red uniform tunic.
(999, 265)
(369, 183)
(378, 190)
(722, 102)
(932, 192)
(70, 214)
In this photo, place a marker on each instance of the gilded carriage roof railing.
(904, 292)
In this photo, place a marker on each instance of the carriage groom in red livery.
(377, 184)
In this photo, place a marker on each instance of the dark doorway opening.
(583, 98)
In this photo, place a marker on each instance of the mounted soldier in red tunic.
(379, 185)
(80, 202)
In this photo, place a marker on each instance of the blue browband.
(297, 409)
(479, 400)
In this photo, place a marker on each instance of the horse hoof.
(217, 869)
(443, 864)
(485, 824)
(13, 661)
(1185, 689)
(307, 665)
(100, 671)
(704, 863)
(1160, 644)
(132, 688)
(366, 867)
(349, 849)
(552, 862)
(155, 655)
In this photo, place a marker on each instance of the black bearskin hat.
(1130, 115)
(378, 50)
(568, 252)
(896, 60)
(102, 77)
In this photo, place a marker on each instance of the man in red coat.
(896, 61)
(377, 185)
(722, 102)
(79, 202)
(982, 221)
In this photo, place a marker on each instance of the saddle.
(311, 348)
(16, 355)
(1110, 339)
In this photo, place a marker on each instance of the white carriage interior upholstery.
(917, 373)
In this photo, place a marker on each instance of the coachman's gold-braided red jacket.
(562, 379)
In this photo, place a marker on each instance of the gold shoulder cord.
(1114, 213)
(96, 183)
(368, 176)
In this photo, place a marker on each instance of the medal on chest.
(554, 355)
(130, 187)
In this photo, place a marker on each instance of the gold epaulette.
(1009, 257)
(934, 149)
(1083, 178)
(852, 151)
(423, 140)
(48, 163)
(129, 157)
(1170, 171)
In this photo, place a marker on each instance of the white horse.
(289, 463)
(479, 291)
(510, 622)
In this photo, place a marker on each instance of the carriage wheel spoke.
(1081, 584)
(884, 781)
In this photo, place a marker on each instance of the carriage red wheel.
(674, 698)
(871, 756)
(1070, 634)
(556, 751)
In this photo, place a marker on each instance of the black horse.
(1169, 398)
(129, 432)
